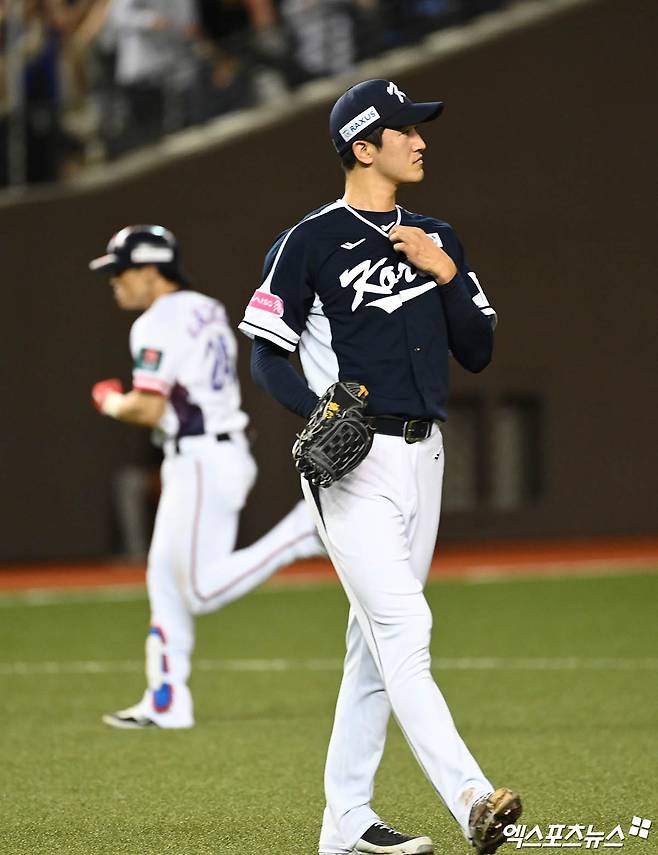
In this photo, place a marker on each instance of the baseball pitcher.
(376, 298)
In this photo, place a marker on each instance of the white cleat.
(142, 716)
(128, 722)
(132, 718)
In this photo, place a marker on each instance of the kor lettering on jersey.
(386, 277)
(267, 303)
(354, 126)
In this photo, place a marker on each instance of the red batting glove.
(100, 391)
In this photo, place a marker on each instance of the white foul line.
(571, 663)
(59, 596)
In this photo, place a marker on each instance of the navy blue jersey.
(358, 310)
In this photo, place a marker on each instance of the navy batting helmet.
(138, 246)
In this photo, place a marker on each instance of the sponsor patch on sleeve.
(149, 359)
(267, 303)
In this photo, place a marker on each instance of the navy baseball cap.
(137, 246)
(375, 104)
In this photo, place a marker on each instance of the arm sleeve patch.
(156, 352)
(278, 308)
(149, 359)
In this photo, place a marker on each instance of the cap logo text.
(352, 128)
(392, 89)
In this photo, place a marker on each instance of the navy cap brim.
(409, 114)
(414, 114)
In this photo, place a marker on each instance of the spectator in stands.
(408, 21)
(323, 33)
(39, 28)
(84, 19)
(247, 53)
(226, 79)
(37, 41)
(156, 66)
(102, 113)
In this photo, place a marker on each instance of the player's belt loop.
(416, 430)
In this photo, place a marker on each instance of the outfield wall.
(543, 162)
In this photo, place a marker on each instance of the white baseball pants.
(192, 568)
(379, 525)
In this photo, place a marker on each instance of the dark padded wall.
(543, 162)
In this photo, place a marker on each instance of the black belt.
(413, 430)
(220, 437)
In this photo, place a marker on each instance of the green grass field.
(553, 684)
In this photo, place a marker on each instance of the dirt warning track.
(453, 561)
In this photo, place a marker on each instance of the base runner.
(185, 387)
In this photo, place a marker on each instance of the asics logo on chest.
(378, 277)
(348, 245)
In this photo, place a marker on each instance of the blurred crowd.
(87, 80)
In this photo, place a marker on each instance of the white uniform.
(335, 287)
(183, 348)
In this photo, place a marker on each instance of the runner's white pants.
(379, 525)
(192, 568)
